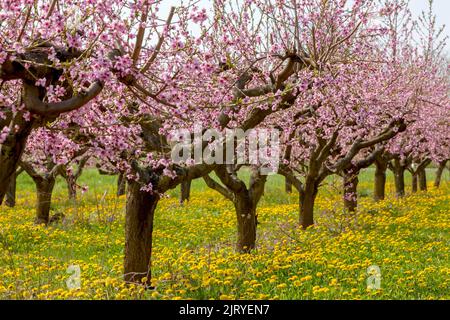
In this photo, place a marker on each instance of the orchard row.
(349, 84)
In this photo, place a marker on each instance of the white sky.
(441, 10)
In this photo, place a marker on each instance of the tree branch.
(35, 105)
(159, 44)
(211, 183)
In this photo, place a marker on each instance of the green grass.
(99, 184)
(194, 245)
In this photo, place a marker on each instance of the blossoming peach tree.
(121, 79)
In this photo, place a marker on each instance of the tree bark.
(140, 211)
(11, 151)
(185, 191)
(350, 190)
(422, 179)
(400, 182)
(287, 186)
(245, 201)
(121, 185)
(414, 182)
(246, 222)
(71, 187)
(307, 200)
(439, 172)
(380, 180)
(11, 192)
(399, 179)
(44, 188)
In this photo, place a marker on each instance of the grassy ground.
(194, 254)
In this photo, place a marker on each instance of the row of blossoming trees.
(349, 84)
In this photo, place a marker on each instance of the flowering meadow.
(194, 255)
(226, 150)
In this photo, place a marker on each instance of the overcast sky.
(441, 9)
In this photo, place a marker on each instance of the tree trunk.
(246, 222)
(140, 211)
(11, 193)
(307, 199)
(439, 171)
(11, 151)
(185, 192)
(414, 182)
(287, 186)
(423, 180)
(121, 185)
(71, 187)
(380, 181)
(399, 178)
(350, 190)
(44, 188)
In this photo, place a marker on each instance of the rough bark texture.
(140, 210)
(307, 199)
(71, 177)
(287, 186)
(422, 180)
(71, 187)
(246, 222)
(439, 172)
(185, 191)
(44, 188)
(400, 182)
(11, 193)
(245, 201)
(380, 180)
(11, 151)
(121, 185)
(350, 190)
(414, 182)
(399, 177)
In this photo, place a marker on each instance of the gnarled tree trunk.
(307, 200)
(414, 182)
(246, 221)
(11, 192)
(140, 211)
(11, 151)
(245, 201)
(350, 190)
(185, 191)
(121, 184)
(422, 179)
(72, 177)
(439, 172)
(380, 180)
(44, 188)
(71, 187)
(399, 177)
(287, 186)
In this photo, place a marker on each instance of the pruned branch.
(35, 105)
(290, 176)
(211, 183)
(29, 169)
(229, 180)
(256, 185)
(370, 159)
(391, 131)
